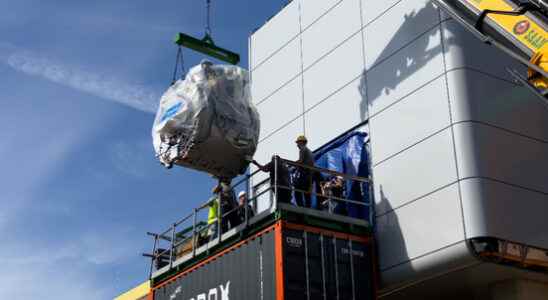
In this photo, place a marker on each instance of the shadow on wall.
(502, 104)
(392, 250)
(398, 63)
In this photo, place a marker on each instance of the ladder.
(517, 28)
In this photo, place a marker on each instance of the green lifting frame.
(207, 46)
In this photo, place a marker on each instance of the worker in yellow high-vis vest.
(213, 213)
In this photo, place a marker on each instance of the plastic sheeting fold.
(349, 155)
(208, 122)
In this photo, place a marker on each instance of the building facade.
(459, 151)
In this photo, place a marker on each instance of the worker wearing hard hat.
(303, 179)
(222, 202)
(241, 198)
(243, 205)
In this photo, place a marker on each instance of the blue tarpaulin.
(349, 155)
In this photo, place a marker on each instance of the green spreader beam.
(207, 46)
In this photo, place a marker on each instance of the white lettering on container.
(225, 290)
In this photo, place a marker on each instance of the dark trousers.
(317, 180)
(284, 196)
(303, 199)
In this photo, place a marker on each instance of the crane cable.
(179, 59)
(208, 18)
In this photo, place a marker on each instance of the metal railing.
(191, 235)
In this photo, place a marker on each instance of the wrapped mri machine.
(208, 122)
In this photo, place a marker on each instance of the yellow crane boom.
(518, 28)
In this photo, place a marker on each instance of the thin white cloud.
(64, 269)
(54, 266)
(101, 85)
(130, 157)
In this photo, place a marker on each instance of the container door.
(294, 265)
(317, 266)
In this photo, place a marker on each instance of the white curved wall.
(458, 149)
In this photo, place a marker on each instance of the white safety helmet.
(242, 193)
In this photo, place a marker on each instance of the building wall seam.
(333, 50)
(394, 209)
(372, 116)
(435, 190)
(302, 67)
(363, 26)
(423, 255)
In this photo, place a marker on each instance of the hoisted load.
(208, 122)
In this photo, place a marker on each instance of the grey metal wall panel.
(399, 26)
(285, 26)
(312, 10)
(281, 142)
(270, 77)
(348, 102)
(374, 9)
(323, 37)
(234, 275)
(405, 71)
(501, 142)
(414, 230)
(487, 151)
(482, 90)
(334, 71)
(414, 173)
(288, 97)
(503, 211)
(464, 50)
(480, 97)
(410, 120)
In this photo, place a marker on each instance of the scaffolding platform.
(186, 249)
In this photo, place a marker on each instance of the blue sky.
(79, 84)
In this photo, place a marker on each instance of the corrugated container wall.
(459, 150)
(284, 261)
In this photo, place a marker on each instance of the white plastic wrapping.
(208, 122)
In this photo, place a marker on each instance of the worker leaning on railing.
(279, 176)
(332, 190)
(303, 180)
